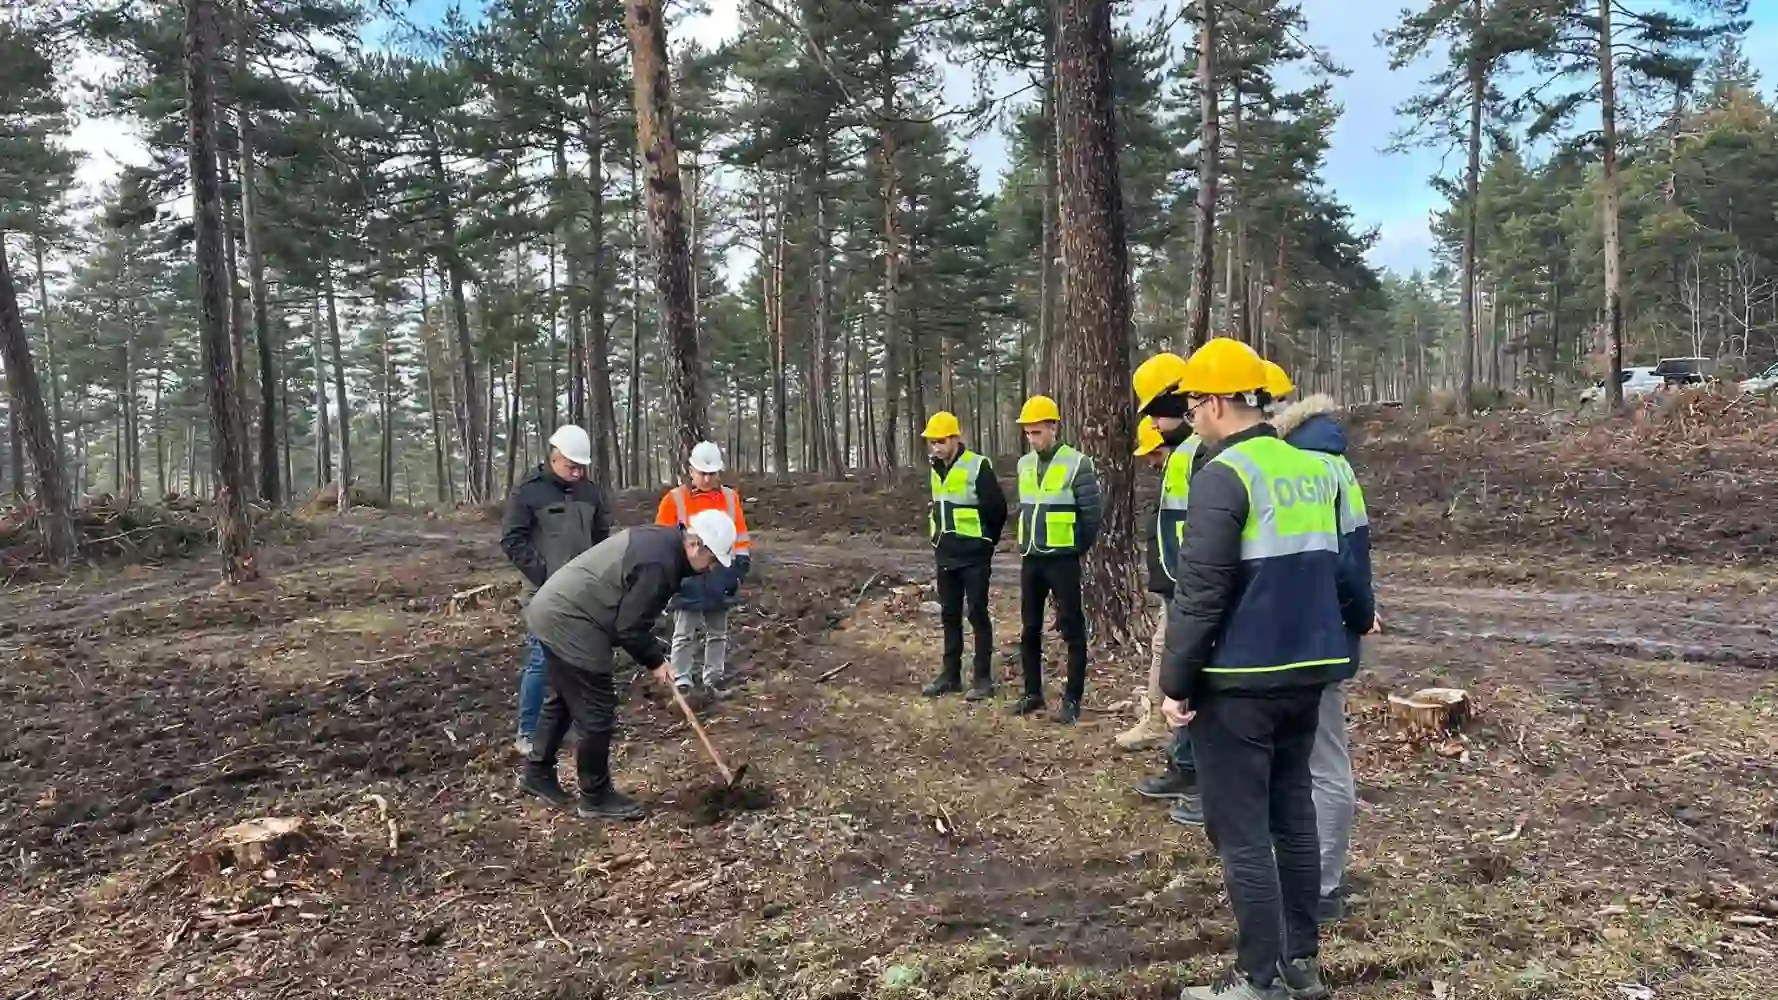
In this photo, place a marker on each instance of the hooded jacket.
(609, 597)
(549, 521)
(1310, 424)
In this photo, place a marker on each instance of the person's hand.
(1177, 714)
(663, 675)
(1376, 625)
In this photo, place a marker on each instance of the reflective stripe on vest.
(1352, 513)
(1047, 511)
(956, 508)
(730, 499)
(1292, 510)
(1176, 487)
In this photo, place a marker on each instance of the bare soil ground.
(1608, 826)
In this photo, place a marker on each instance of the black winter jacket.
(549, 522)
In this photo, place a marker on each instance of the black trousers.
(1041, 577)
(957, 585)
(588, 700)
(1259, 811)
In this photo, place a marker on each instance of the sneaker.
(523, 745)
(543, 783)
(943, 684)
(1029, 704)
(1169, 784)
(1330, 909)
(1069, 713)
(1302, 979)
(1187, 810)
(608, 803)
(1235, 985)
(981, 690)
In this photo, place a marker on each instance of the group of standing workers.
(589, 593)
(1261, 552)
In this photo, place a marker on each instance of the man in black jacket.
(967, 515)
(554, 514)
(607, 599)
(1257, 628)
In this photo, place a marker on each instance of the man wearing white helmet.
(605, 600)
(554, 514)
(702, 604)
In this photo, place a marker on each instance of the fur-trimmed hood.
(1310, 424)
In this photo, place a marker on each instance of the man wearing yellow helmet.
(1255, 632)
(967, 515)
(1059, 513)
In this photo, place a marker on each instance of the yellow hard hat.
(1223, 367)
(942, 425)
(1155, 376)
(1148, 437)
(1038, 410)
(1278, 381)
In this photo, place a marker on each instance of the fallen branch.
(551, 924)
(835, 672)
(865, 589)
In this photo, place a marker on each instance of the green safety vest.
(1293, 511)
(1047, 511)
(1176, 490)
(956, 507)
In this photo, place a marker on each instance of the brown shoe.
(1149, 732)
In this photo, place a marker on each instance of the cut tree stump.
(1431, 710)
(252, 844)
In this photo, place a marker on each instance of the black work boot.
(1302, 979)
(947, 682)
(1169, 784)
(982, 688)
(1029, 704)
(540, 779)
(606, 802)
(1069, 713)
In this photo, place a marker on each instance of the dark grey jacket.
(610, 596)
(549, 522)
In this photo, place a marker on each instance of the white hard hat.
(573, 443)
(717, 531)
(706, 457)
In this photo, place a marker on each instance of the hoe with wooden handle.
(729, 777)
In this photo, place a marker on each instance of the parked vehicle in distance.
(1765, 381)
(1676, 372)
(1637, 381)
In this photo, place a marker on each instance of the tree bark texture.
(233, 529)
(1471, 189)
(473, 417)
(31, 427)
(1614, 299)
(1096, 302)
(1209, 148)
(666, 219)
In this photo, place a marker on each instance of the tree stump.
(252, 844)
(1431, 710)
(469, 600)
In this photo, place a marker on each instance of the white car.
(1638, 381)
(1765, 381)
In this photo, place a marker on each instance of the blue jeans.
(531, 687)
(1179, 752)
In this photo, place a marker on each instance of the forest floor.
(1606, 827)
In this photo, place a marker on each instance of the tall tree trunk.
(49, 351)
(427, 348)
(31, 427)
(323, 433)
(269, 485)
(1471, 191)
(567, 237)
(780, 351)
(602, 424)
(387, 465)
(474, 441)
(513, 395)
(666, 217)
(1045, 368)
(1096, 297)
(1240, 313)
(891, 288)
(225, 428)
(1614, 303)
(1209, 148)
(822, 391)
(339, 385)
(637, 451)
(237, 315)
